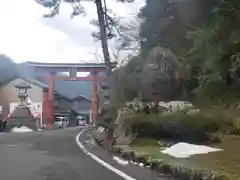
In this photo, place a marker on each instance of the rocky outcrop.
(116, 128)
(162, 106)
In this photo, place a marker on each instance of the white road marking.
(13, 145)
(100, 161)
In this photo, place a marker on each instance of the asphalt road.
(55, 155)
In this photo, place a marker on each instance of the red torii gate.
(73, 69)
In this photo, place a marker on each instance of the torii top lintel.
(64, 67)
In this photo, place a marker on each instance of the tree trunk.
(103, 35)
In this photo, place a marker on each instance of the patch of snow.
(141, 164)
(100, 129)
(120, 161)
(90, 142)
(185, 150)
(21, 129)
(174, 106)
(133, 162)
(13, 145)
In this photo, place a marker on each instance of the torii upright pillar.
(51, 98)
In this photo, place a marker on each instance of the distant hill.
(26, 71)
(8, 69)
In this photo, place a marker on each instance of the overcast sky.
(26, 36)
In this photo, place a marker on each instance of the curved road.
(55, 155)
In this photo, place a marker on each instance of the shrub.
(180, 126)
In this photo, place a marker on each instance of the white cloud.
(26, 36)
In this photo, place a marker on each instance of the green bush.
(180, 127)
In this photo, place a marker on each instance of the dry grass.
(227, 161)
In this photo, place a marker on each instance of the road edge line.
(100, 161)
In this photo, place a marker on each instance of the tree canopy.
(204, 38)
